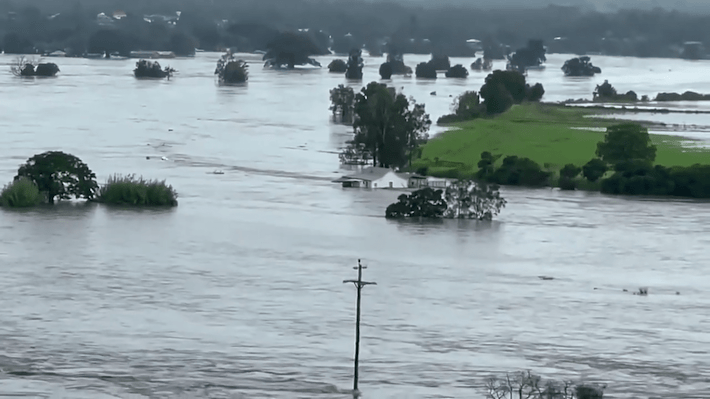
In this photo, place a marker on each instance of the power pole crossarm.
(358, 284)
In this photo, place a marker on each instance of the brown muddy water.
(238, 293)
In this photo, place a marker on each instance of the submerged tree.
(386, 70)
(354, 67)
(467, 199)
(337, 66)
(581, 66)
(61, 175)
(29, 67)
(461, 200)
(530, 56)
(426, 70)
(396, 62)
(289, 49)
(231, 70)
(525, 385)
(151, 69)
(423, 203)
(457, 71)
(342, 99)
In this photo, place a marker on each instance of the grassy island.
(551, 135)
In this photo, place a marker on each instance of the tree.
(424, 203)
(426, 70)
(530, 386)
(567, 175)
(467, 199)
(151, 69)
(466, 106)
(440, 62)
(535, 92)
(289, 49)
(337, 66)
(61, 175)
(457, 71)
(626, 142)
(604, 91)
(486, 164)
(343, 102)
(581, 66)
(386, 70)
(354, 70)
(387, 126)
(532, 55)
(231, 70)
(502, 89)
(594, 169)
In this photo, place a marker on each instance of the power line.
(358, 284)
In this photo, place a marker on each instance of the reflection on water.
(238, 291)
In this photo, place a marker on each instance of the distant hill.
(597, 5)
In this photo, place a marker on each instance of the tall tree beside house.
(391, 126)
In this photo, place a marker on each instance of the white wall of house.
(390, 180)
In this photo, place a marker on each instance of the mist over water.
(238, 293)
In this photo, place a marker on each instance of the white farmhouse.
(374, 177)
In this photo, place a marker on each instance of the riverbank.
(549, 134)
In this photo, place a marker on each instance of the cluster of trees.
(55, 175)
(152, 69)
(532, 55)
(525, 385)
(29, 67)
(500, 91)
(607, 92)
(580, 66)
(462, 199)
(387, 125)
(41, 25)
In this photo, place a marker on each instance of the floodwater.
(238, 293)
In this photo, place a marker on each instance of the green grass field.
(544, 133)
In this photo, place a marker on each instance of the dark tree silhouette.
(626, 142)
(231, 70)
(355, 65)
(337, 66)
(457, 71)
(386, 70)
(426, 70)
(289, 49)
(151, 69)
(59, 175)
(580, 66)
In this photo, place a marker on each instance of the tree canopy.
(390, 126)
(289, 49)
(626, 142)
(462, 199)
(59, 175)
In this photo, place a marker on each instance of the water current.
(238, 293)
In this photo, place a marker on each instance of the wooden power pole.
(358, 284)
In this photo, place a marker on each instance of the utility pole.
(358, 284)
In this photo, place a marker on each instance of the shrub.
(21, 193)
(129, 190)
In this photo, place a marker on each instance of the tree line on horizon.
(42, 25)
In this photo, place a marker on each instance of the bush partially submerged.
(129, 190)
(530, 386)
(21, 193)
(231, 70)
(151, 69)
